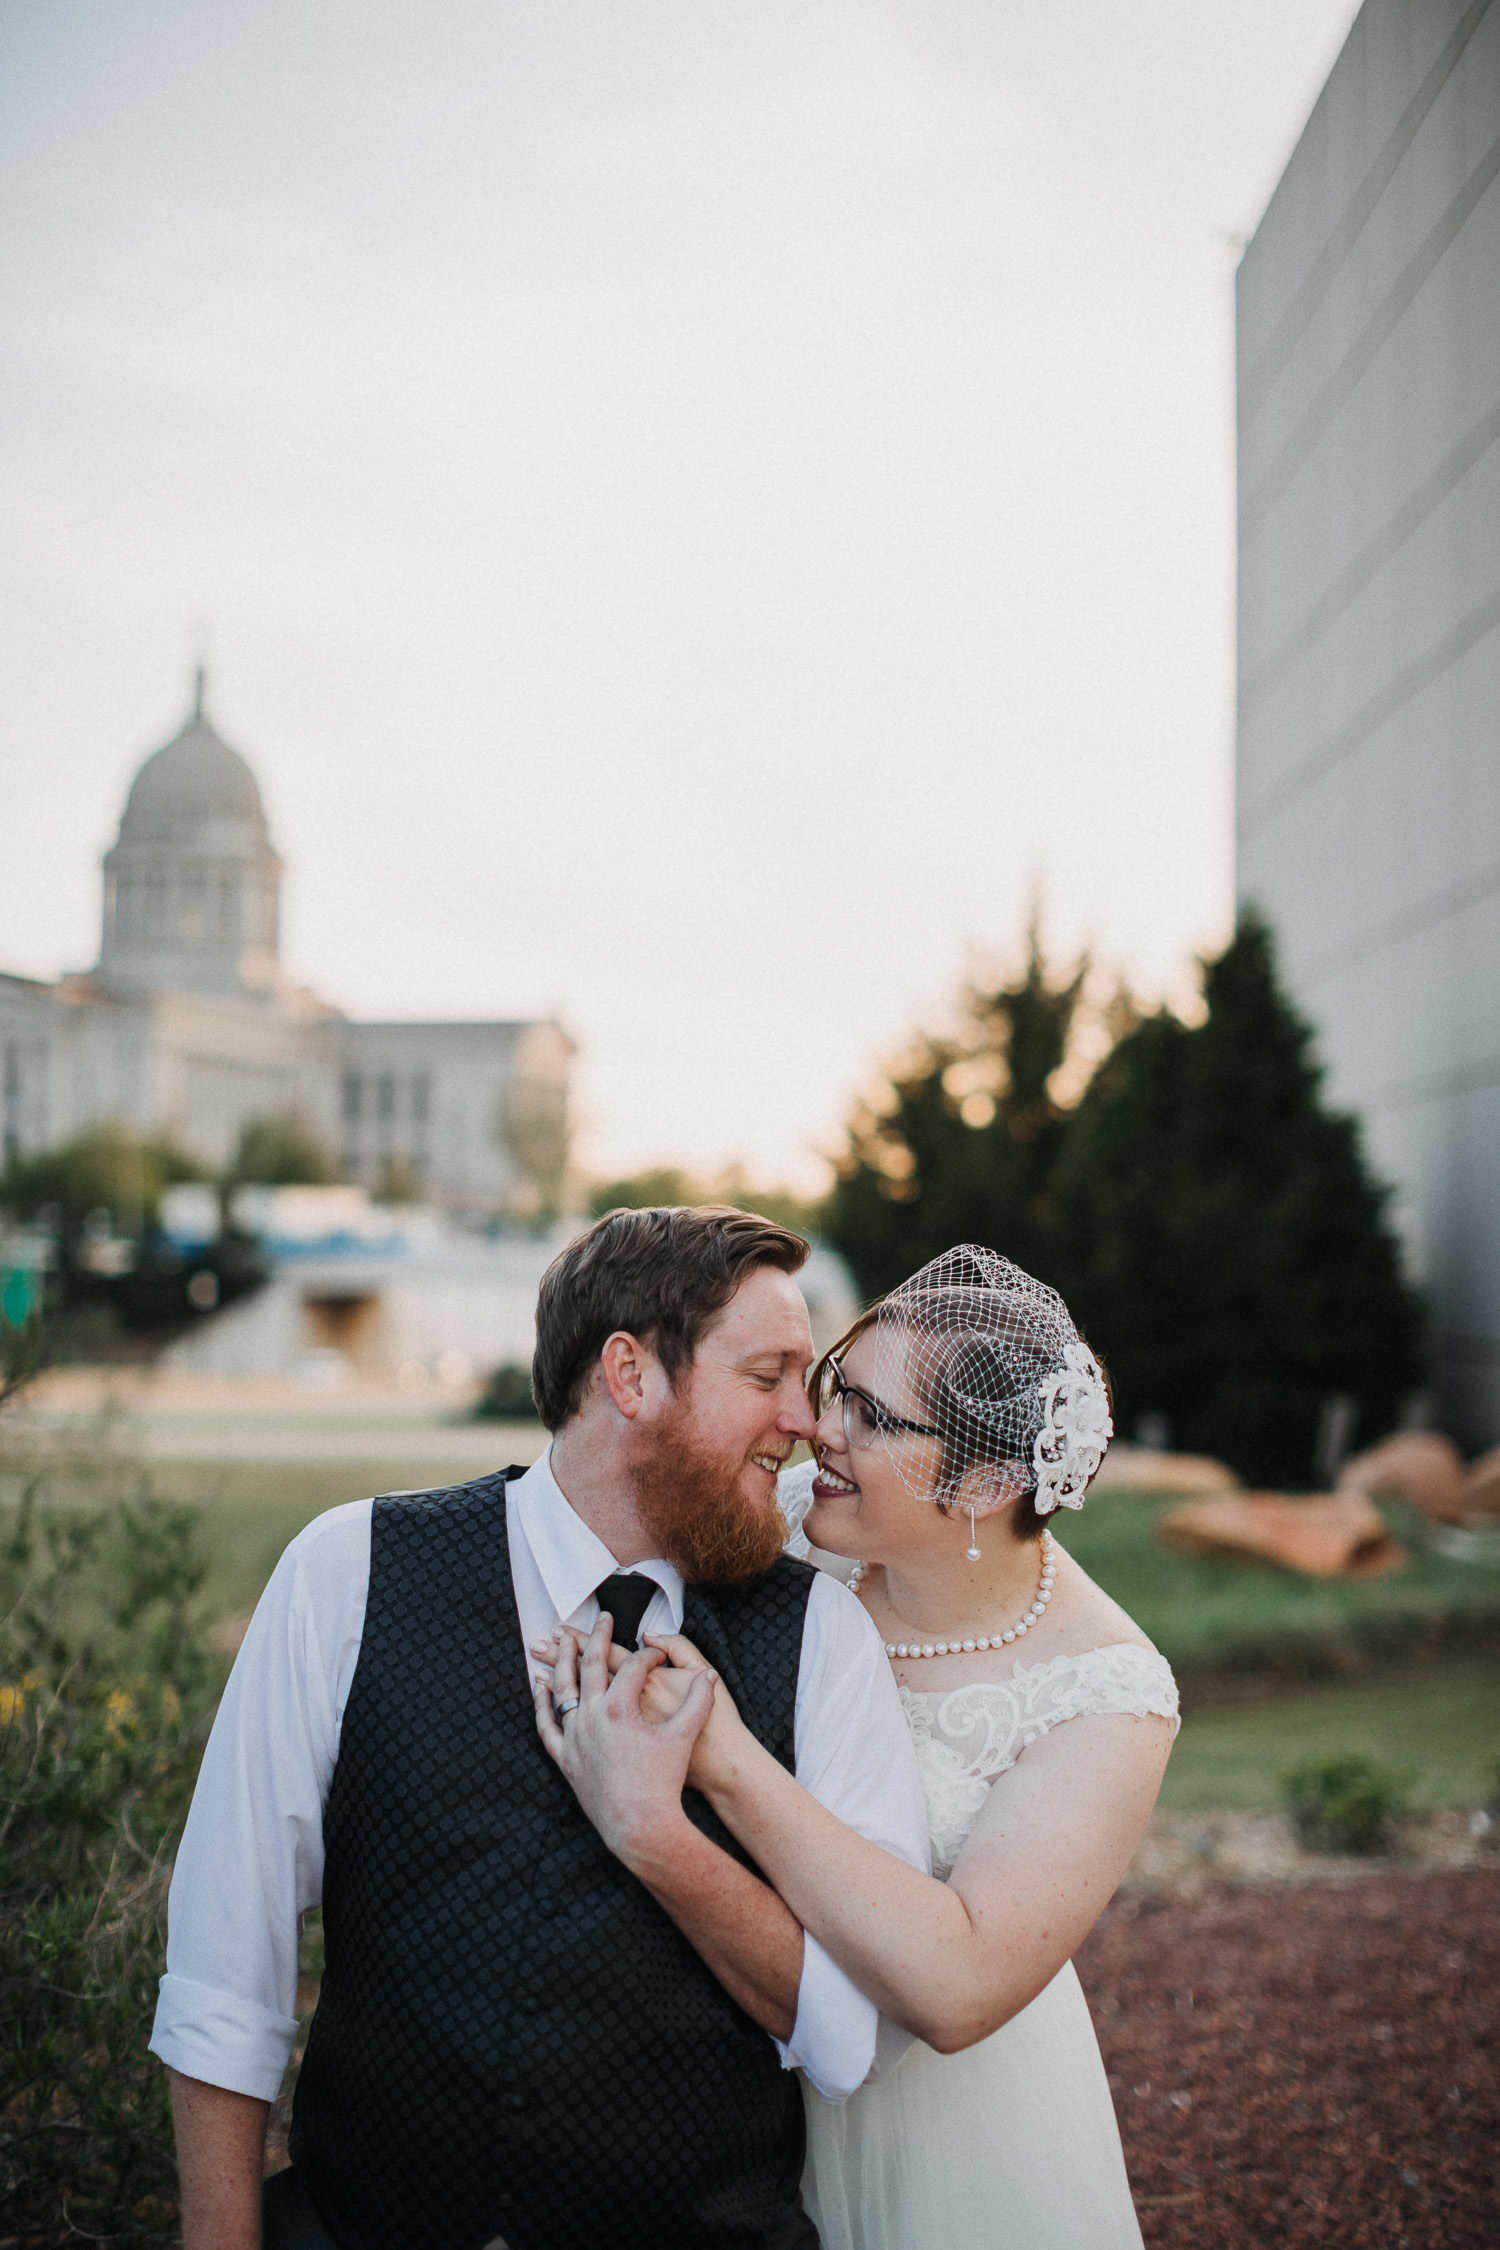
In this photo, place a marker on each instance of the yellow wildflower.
(13, 1699)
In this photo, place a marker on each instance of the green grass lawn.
(1405, 1668)
(1444, 1727)
(1205, 1616)
(1251, 1617)
(251, 1509)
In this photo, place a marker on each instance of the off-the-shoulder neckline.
(1022, 1671)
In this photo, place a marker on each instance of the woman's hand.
(716, 1746)
(627, 1770)
(663, 1694)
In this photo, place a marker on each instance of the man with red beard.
(518, 2042)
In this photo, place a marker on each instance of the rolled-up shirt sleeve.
(251, 1858)
(854, 1754)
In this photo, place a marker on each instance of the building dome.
(193, 780)
(191, 888)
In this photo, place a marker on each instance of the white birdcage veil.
(989, 1362)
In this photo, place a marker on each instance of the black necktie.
(627, 1600)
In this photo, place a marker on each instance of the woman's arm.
(952, 1962)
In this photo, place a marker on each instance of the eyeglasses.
(865, 1419)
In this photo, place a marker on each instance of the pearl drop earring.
(972, 1550)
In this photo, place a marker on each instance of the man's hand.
(221, 2154)
(627, 1770)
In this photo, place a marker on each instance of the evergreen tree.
(1228, 1251)
(968, 1145)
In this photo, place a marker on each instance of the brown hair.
(965, 1438)
(660, 1275)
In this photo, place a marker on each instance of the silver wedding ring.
(562, 1709)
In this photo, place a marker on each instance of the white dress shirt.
(251, 1858)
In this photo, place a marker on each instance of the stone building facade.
(1368, 787)
(189, 1027)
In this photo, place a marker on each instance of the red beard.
(689, 1501)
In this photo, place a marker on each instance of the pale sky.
(699, 509)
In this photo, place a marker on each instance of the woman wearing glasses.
(954, 1417)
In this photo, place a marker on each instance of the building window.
(385, 1097)
(353, 1097)
(421, 1098)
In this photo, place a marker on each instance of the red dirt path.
(1307, 2067)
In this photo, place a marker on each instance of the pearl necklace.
(983, 1640)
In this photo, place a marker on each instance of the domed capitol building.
(188, 1026)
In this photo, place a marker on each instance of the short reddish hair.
(661, 1275)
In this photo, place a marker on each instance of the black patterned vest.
(513, 2039)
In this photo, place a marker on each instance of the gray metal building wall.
(1368, 782)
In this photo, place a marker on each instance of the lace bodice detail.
(965, 1738)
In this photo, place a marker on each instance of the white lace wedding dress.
(1011, 2145)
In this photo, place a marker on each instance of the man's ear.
(625, 1362)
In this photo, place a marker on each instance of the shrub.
(106, 1694)
(1345, 1803)
(506, 1397)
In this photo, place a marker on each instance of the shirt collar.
(571, 1559)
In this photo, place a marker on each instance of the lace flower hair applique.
(1075, 1432)
(977, 1354)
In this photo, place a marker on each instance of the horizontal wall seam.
(1455, 1344)
(1430, 915)
(1373, 714)
(1357, 213)
(1373, 557)
(1372, 339)
(1438, 1085)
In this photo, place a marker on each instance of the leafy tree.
(968, 1146)
(1228, 1251)
(536, 1131)
(643, 1191)
(106, 1173)
(280, 1152)
(667, 1184)
(97, 1197)
(400, 1181)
